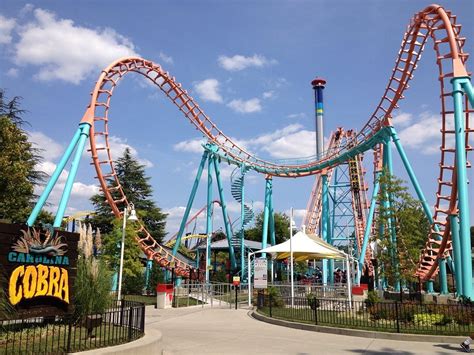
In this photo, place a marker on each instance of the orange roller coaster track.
(433, 22)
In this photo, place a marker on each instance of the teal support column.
(242, 224)
(225, 216)
(368, 227)
(443, 279)
(463, 193)
(190, 202)
(411, 174)
(266, 212)
(420, 195)
(149, 265)
(272, 219)
(388, 164)
(467, 86)
(209, 211)
(85, 128)
(197, 258)
(429, 286)
(54, 178)
(453, 219)
(324, 219)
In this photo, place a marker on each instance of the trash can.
(164, 296)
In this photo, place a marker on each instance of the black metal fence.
(122, 323)
(396, 317)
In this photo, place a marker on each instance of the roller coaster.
(449, 236)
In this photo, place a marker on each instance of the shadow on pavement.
(449, 346)
(383, 351)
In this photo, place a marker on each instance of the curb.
(150, 343)
(359, 333)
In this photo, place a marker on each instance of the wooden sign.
(38, 268)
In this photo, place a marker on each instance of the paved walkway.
(198, 330)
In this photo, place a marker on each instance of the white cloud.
(166, 58)
(12, 72)
(64, 51)
(288, 142)
(424, 135)
(297, 115)
(298, 144)
(402, 119)
(245, 106)
(81, 192)
(267, 138)
(117, 147)
(26, 9)
(175, 215)
(50, 149)
(208, 90)
(240, 62)
(190, 146)
(6, 27)
(268, 94)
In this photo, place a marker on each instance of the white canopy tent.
(302, 247)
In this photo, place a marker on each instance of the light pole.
(292, 225)
(132, 217)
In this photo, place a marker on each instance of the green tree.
(18, 161)
(138, 190)
(133, 271)
(400, 257)
(157, 276)
(282, 228)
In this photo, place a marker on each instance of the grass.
(148, 300)
(186, 301)
(52, 339)
(362, 320)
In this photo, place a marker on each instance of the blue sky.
(248, 64)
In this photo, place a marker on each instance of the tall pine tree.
(138, 190)
(18, 161)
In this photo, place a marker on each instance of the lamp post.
(132, 217)
(292, 225)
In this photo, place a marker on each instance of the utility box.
(164, 296)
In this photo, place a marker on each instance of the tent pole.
(249, 279)
(291, 259)
(349, 287)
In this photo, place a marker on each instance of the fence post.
(130, 324)
(69, 329)
(315, 311)
(122, 305)
(142, 325)
(397, 316)
(270, 302)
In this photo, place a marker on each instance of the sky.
(249, 66)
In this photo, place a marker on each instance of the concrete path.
(198, 330)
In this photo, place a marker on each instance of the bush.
(274, 294)
(313, 302)
(92, 287)
(372, 298)
(428, 319)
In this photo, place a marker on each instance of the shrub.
(372, 298)
(313, 302)
(274, 294)
(93, 281)
(428, 319)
